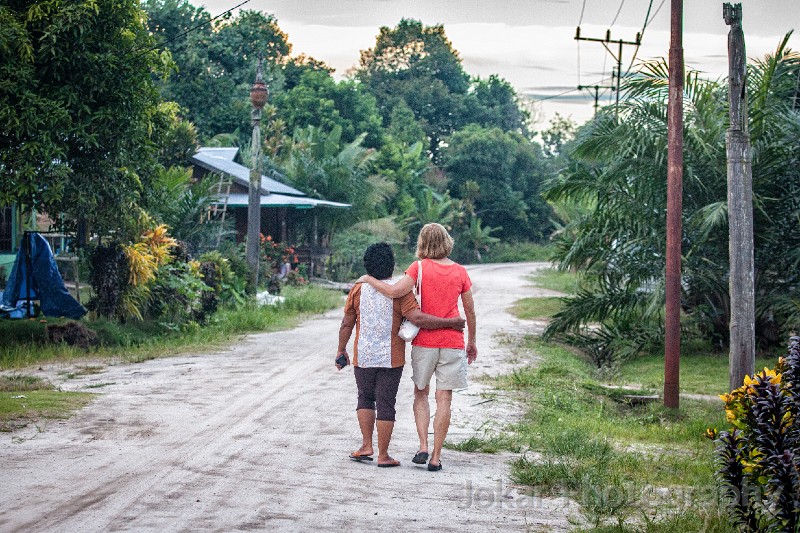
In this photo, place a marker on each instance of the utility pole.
(617, 56)
(740, 207)
(672, 325)
(258, 97)
(596, 89)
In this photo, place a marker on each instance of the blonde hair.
(434, 242)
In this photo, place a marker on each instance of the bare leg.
(366, 421)
(441, 423)
(385, 428)
(422, 416)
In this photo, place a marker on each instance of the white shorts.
(449, 365)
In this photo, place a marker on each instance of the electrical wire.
(622, 3)
(580, 21)
(656, 13)
(647, 21)
(554, 95)
(190, 30)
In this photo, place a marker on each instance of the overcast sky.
(531, 42)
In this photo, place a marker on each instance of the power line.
(606, 42)
(644, 27)
(554, 95)
(190, 30)
(580, 21)
(622, 3)
(657, 11)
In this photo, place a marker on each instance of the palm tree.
(318, 164)
(618, 169)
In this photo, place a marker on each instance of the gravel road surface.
(256, 437)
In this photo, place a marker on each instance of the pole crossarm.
(616, 56)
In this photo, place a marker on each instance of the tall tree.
(509, 171)
(619, 166)
(215, 63)
(494, 102)
(77, 104)
(317, 100)
(416, 66)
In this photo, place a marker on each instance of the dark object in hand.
(341, 361)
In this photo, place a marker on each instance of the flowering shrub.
(276, 254)
(759, 457)
(145, 257)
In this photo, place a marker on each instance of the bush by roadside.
(25, 342)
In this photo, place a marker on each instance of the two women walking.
(375, 308)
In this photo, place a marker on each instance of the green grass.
(24, 343)
(536, 308)
(586, 442)
(516, 252)
(488, 444)
(22, 383)
(556, 280)
(700, 373)
(26, 399)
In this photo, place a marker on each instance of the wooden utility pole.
(740, 207)
(258, 97)
(596, 89)
(672, 339)
(617, 56)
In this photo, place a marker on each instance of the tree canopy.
(415, 66)
(78, 145)
(618, 172)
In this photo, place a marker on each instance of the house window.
(6, 229)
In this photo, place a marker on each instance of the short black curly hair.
(379, 260)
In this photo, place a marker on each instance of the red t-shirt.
(442, 285)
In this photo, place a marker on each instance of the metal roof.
(281, 200)
(220, 161)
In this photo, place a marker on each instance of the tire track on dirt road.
(257, 437)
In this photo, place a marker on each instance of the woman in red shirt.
(441, 352)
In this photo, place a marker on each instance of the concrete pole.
(742, 355)
(672, 339)
(258, 97)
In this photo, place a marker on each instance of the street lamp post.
(258, 97)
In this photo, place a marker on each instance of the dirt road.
(257, 438)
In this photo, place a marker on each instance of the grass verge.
(556, 280)
(700, 372)
(630, 468)
(24, 342)
(536, 308)
(28, 399)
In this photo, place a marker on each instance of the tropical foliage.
(617, 174)
(78, 144)
(759, 457)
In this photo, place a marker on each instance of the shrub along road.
(257, 437)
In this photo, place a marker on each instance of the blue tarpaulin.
(46, 284)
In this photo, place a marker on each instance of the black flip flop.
(360, 458)
(420, 458)
(388, 465)
(434, 468)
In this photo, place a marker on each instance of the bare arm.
(426, 321)
(401, 288)
(345, 332)
(469, 310)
